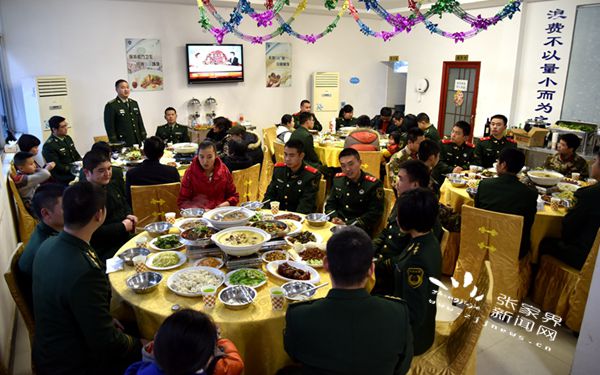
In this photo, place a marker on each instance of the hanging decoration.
(399, 23)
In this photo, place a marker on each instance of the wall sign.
(355, 80)
(461, 85)
(278, 58)
(144, 64)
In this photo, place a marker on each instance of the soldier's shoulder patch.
(370, 178)
(92, 258)
(485, 138)
(311, 169)
(280, 164)
(446, 141)
(511, 139)
(112, 101)
(340, 174)
(415, 276)
(469, 145)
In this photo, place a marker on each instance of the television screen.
(215, 63)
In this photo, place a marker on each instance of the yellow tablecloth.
(256, 331)
(547, 223)
(329, 155)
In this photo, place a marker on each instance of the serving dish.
(189, 281)
(165, 256)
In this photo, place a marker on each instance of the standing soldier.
(172, 132)
(488, 148)
(356, 196)
(123, 119)
(457, 153)
(60, 149)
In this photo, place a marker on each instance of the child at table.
(187, 343)
(29, 176)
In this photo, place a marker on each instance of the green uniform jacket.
(310, 155)
(294, 191)
(453, 155)
(506, 194)
(421, 260)
(341, 123)
(74, 332)
(364, 334)
(575, 164)
(487, 150)
(123, 122)
(296, 117)
(63, 153)
(173, 133)
(432, 133)
(361, 201)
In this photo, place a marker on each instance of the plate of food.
(246, 276)
(258, 216)
(199, 235)
(189, 282)
(213, 262)
(273, 255)
(565, 186)
(225, 217)
(184, 224)
(289, 270)
(276, 228)
(166, 260)
(290, 216)
(240, 241)
(313, 254)
(293, 226)
(166, 242)
(132, 156)
(303, 238)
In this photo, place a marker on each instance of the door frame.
(447, 65)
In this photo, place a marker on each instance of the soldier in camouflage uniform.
(488, 148)
(172, 132)
(414, 137)
(457, 153)
(355, 196)
(60, 149)
(566, 160)
(123, 119)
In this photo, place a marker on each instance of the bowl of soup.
(545, 177)
(240, 241)
(226, 217)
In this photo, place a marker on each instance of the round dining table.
(257, 331)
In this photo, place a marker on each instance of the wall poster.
(144, 64)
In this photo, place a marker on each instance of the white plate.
(182, 259)
(181, 222)
(562, 186)
(178, 274)
(293, 225)
(153, 247)
(197, 263)
(314, 275)
(264, 256)
(302, 216)
(318, 239)
(321, 246)
(228, 276)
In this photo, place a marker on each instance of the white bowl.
(545, 177)
(189, 288)
(220, 224)
(243, 250)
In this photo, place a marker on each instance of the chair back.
(12, 277)
(101, 138)
(363, 139)
(266, 172)
(151, 202)
(269, 136)
(23, 221)
(494, 236)
(389, 200)
(321, 195)
(246, 182)
(444, 241)
(278, 149)
(371, 162)
(579, 296)
(387, 181)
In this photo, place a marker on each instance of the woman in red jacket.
(207, 183)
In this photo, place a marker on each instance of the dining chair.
(246, 182)
(371, 162)
(278, 150)
(389, 200)
(151, 202)
(24, 222)
(321, 195)
(266, 173)
(12, 276)
(269, 136)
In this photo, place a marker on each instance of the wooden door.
(458, 98)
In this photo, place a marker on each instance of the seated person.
(172, 132)
(429, 153)
(285, 129)
(28, 176)
(506, 194)
(457, 153)
(579, 226)
(428, 129)
(363, 121)
(392, 147)
(294, 184)
(420, 260)
(306, 121)
(60, 149)
(119, 223)
(398, 121)
(566, 160)
(74, 331)
(365, 334)
(251, 140)
(345, 117)
(151, 171)
(187, 342)
(356, 197)
(488, 148)
(47, 206)
(237, 156)
(31, 143)
(218, 133)
(207, 183)
(414, 137)
(305, 107)
(383, 122)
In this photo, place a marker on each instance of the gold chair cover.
(269, 136)
(101, 138)
(266, 173)
(387, 182)
(321, 194)
(453, 351)
(389, 199)
(24, 222)
(450, 254)
(278, 149)
(151, 202)
(564, 290)
(246, 182)
(371, 162)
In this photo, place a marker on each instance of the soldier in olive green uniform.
(302, 134)
(60, 149)
(123, 119)
(305, 107)
(566, 161)
(172, 132)
(488, 148)
(454, 155)
(296, 191)
(429, 130)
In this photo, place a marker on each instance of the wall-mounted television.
(215, 63)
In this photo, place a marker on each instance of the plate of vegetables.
(303, 238)
(167, 242)
(165, 260)
(246, 276)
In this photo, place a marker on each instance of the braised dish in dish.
(291, 272)
(302, 237)
(198, 232)
(273, 227)
(313, 256)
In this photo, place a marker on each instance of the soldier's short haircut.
(27, 141)
(423, 117)
(410, 121)
(427, 148)
(102, 147)
(417, 210)
(170, 109)
(416, 171)
(349, 256)
(514, 159)
(395, 135)
(81, 202)
(349, 151)
(413, 134)
(206, 144)
(286, 119)
(92, 159)
(118, 82)
(222, 123)
(464, 126)
(55, 121)
(398, 115)
(295, 144)
(571, 140)
(45, 197)
(385, 112)
(305, 116)
(500, 117)
(304, 102)
(154, 148)
(21, 158)
(363, 121)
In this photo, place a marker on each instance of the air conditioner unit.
(326, 95)
(43, 98)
